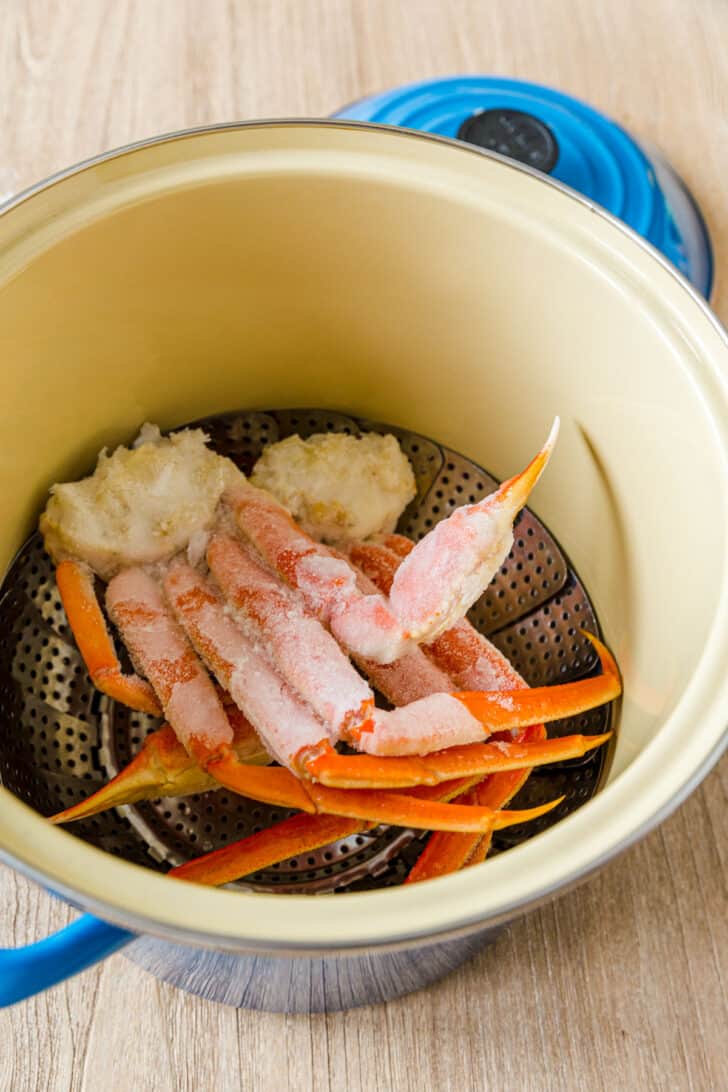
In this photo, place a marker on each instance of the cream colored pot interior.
(428, 286)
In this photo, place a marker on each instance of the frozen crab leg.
(438, 582)
(443, 722)
(453, 564)
(76, 586)
(289, 728)
(305, 653)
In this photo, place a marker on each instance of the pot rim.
(380, 919)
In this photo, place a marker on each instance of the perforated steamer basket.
(396, 278)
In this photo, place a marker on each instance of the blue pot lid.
(563, 137)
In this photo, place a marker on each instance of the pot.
(413, 280)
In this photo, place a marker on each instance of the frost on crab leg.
(305, 653)
(76, 586)
(286, 725)
(363, 624)
(469, 658)
(445, 573)
(454, 563)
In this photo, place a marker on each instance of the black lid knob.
(515, 134)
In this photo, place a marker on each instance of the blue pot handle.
(29, 970)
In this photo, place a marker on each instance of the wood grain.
(620, 984)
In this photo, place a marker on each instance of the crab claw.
(163, 768)
(454, 563)
(514, 493)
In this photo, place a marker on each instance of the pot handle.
(35, 967)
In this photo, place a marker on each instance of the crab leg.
(445, 852)
(294, 836)
(468, 657)
(287, 727)
(162, 767)
(290, 838)
(474, 759)
(76, 586)
(453, 564)
(363, 624)
(307, 655)
(452, 720)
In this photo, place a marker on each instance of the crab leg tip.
(516, 491)
(606, 659)
(525, 815)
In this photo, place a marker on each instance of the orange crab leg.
(163, 768)
(444, 722)
(472, 759)
(76, 586)
(446, 852)
(292, 837)
(279, 786)
(501, 711)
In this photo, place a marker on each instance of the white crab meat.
(338, 488)
(141, 505)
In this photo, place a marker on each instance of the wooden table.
(617, 985)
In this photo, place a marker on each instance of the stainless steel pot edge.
(466, 925)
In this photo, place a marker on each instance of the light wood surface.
(618, 985)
